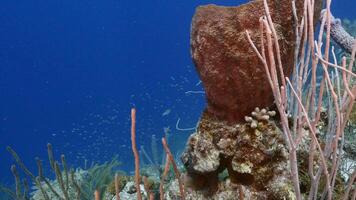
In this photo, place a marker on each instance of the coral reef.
(69, 184)
(253, 153)
(43, 192)
(129, 191)
(342, 33)
(119, 182)
(239, 151)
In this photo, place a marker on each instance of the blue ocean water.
(70, 71)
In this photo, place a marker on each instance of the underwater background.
(70, 71)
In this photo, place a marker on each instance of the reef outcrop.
(233, 77)
(238, 149)
(252, 155)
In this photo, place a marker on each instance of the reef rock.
(252, 155)
(129, 192)
(233, 77)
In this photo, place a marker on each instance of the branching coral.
(259, 116)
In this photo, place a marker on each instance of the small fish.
(166, 112)
(166, 130)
